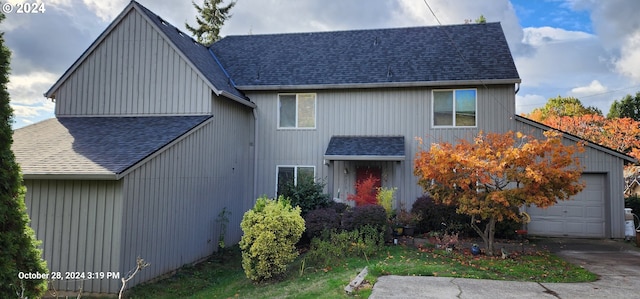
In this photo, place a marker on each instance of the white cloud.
(546, 35)
(561, 58)
(526, 103)
(27, 101)
(595, 87)
(25, 112)
(28, 89)
(106, 10)
(617, 24)
(629, 62)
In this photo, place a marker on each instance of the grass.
(225, 278)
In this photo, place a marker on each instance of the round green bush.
(271, 230)
(306, 194)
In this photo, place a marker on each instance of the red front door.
(366, 193)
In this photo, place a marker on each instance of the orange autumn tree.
(491, 177)
(620, 134)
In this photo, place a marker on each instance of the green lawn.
(225, 278)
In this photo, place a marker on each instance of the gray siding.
(596, 161)
(599, 162)
(172, 200)
(79, 225)
(403, 112)
(133, 71)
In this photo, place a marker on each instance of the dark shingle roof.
(198, 54)
(383, 56)
(365, 148)
(95, 145)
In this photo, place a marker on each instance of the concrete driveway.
(616, 262)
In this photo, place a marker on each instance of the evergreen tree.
(629, 106)
(210, 21)
(18, 246)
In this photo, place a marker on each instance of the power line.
(433, 13)
(611, 91)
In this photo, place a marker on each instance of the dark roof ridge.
(359, 30)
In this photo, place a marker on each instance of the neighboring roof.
(419, 56)
(199, 56)
(94, 147)
(570, 136)
(631, 171)
(380, 148)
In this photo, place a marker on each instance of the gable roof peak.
(195, 54)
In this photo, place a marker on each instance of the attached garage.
(597, 211)
(583, 216)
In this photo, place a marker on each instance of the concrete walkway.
(616, 262)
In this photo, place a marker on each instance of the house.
(155, 134)
(631, 181)
(149, 144)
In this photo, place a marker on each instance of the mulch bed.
(516, 247)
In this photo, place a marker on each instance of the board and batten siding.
(596, 161)
(171, 202)
(373, 112)
(79, 225)
(133, 71)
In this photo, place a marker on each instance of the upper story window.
(454, 108)
(297, 111)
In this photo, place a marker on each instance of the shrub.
(385, 198)
(506, 229)
(271, 230)
(365, 192)
(333, 246)
(633, 202)
(438, 217)
(338, 207)
(359, 216)
(306, 194)
(319, 220)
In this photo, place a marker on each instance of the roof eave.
(238, 99)
(363, 158)
(378, 85)
(71, 176)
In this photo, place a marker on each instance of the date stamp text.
(23, 8)
(77, 275)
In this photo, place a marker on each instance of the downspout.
(255, 155)
(517, 88)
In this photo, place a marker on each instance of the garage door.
(583, 216)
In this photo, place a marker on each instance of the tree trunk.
(487, 234)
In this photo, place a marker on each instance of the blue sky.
(581, 48)
(558, 14)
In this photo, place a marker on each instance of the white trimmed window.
(454, 108)
(288, 175)
(297, 111)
